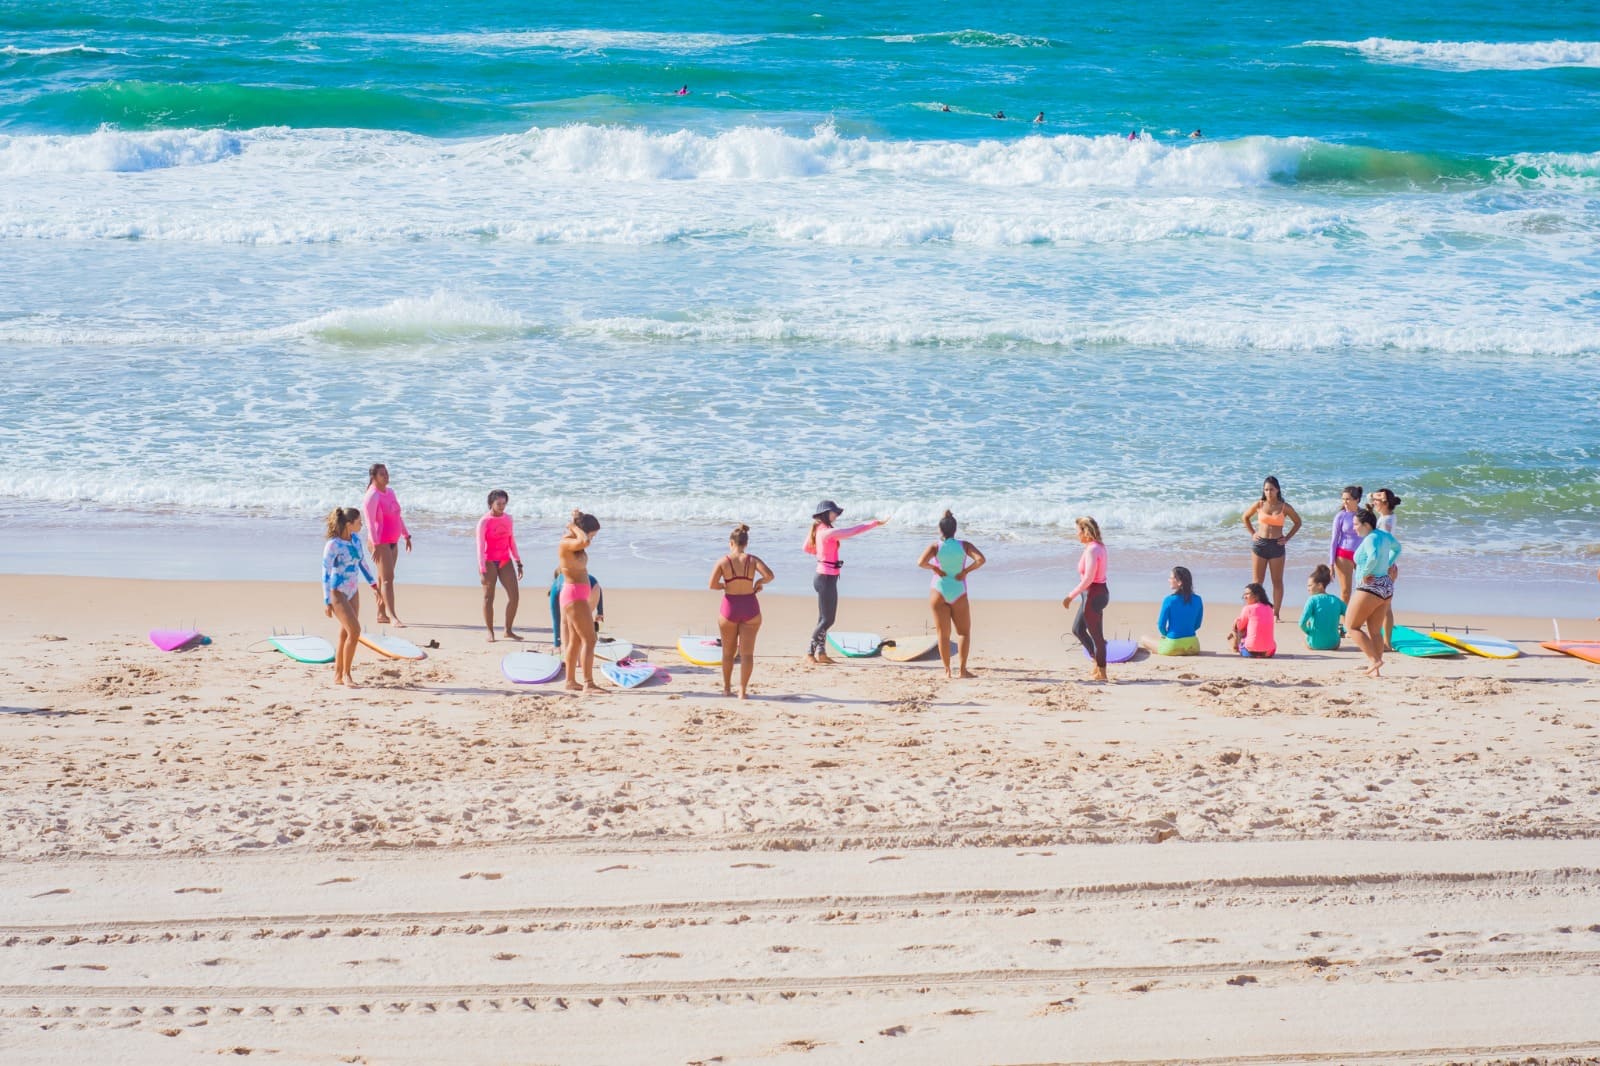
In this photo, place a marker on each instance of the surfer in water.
(1089, 627)
(1000, 115)
(380, 510)
(497, 548)
(1375, 561)
(951, 560)
(739, 576)
(577, 617)
(1038, 120)
(343, 560)
(823, 542)
(1267, 542)
(683, 90)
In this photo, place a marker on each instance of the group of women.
(1363, 553)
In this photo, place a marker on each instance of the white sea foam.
(970, 39)
(60, 50)
(115, 150)
(1473, 55)
(580, 40)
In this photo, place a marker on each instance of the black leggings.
(1090, 626)
(827, 586)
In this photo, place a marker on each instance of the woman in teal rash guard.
(1375, 568)
(1179, 621)
(1321, 617)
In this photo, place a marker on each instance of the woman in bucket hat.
(823, 542)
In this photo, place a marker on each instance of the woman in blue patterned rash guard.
(343, 560)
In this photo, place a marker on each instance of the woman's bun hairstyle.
(740, 535)
(947, 525)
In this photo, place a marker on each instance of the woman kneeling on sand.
(951, 560)
(1179, 621)
(739, 576)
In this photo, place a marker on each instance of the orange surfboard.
(1588, 650)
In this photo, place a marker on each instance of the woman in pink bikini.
(497, 548)
(739, 576)
(381, 512)
(577, 617)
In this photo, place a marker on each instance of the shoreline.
(880, 565)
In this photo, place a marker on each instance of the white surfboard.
(303, 648)
(855, 645)
(530, 667)
(392, 647)
(612, 649)
(701, 650)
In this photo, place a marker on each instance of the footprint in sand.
(469, 875)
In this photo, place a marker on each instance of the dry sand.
(215, 851)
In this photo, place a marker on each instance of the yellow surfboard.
(1488, 647)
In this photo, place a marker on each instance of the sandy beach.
(214, 851)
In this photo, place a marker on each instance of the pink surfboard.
(173, 639)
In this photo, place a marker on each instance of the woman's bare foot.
(727, 691)
(397, 623)
(744, 695)
(512, 636)
(1099, 674)
(383, 619)
(491, 636)
(573, 686)
(822, 659)
(1373, 670)
(967, 673)
(590, 686)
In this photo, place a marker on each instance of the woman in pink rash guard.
(497, 549)
(385, 530)
(823, 542)
(1089, 627)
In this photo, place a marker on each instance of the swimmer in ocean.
(944, 107)
(1000, 114)
(1195, 135)
(682, 91)
(1038, 120)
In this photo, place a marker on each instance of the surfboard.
(1587, 650)
(910, 649)
(612, 649)
(392, 647)
(1408, 641)
(303, 648)
(1488, 647)
(173, 639)
(701, 650)
(631, 673)
(530, 667)
(855, 645)
(1118, 651)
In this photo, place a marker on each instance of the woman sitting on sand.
(1252, 631)
(740, 577)
(577, 616)
(342, 561)
(497, 549)
(951, 560)
(1179, 621)
(1267, 535)
(1089, 627)
(1321, 617)
(1375, 565)
(823, 542)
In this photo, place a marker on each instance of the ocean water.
(250, 248)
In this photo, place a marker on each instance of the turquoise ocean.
(249, 248)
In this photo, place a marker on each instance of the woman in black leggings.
(1090, 625)
(823, 542)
